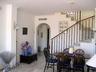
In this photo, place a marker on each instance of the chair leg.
(53, 67)
(45, 67)
(88, 68)
(83, 70)
(73, 70)
(69, 70)
(58, 68)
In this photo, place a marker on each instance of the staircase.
(82, 30)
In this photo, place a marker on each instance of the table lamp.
(71, 50)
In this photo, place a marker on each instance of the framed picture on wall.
(24, 30)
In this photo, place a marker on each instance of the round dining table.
(91, 63)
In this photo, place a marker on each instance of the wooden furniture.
(70, 62)
(63, 62)
(49, 60)
(28, 59)
(78, 63)
(91, 63)
(79, 51)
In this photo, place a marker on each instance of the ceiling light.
(71, 1)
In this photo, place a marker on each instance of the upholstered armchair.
(7, 58)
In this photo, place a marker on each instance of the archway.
(43, 36)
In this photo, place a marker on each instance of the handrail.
(72, 26)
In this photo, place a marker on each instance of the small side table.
(28, 59)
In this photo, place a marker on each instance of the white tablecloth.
(92, 62)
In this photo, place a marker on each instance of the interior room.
(47, 36)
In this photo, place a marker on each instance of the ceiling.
(51, 6)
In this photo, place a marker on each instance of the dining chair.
(49, 60)
(66, 51)
(79, 51)
(64, 63)
(78, 63)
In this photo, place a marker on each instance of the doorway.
(43, 36)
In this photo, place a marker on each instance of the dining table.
(91, 63)
(60, 57)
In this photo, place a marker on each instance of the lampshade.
(71, 50)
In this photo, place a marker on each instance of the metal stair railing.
(80, 31)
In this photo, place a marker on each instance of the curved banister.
(72, 26)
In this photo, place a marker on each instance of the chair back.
(79, 51)
(46, 54)
(66, 51)
(79, 61)
(65, 59)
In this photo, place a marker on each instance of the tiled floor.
(37, 66)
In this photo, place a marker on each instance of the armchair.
(6, 57)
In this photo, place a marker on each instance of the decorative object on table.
(7, 58)
(27, 56)
(71, 50)
(26, 49)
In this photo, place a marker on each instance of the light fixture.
(71, 1)
(71, 13)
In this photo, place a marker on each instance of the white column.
(8, 26)
(11, 19)
(95, 30)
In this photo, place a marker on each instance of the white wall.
(7, 31)
(42, 41)
(88, 47)
(95, 31)
(53, 21)
(25, 19)
(87, 13)
(2, 28)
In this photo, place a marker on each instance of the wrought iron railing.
(80, 31)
